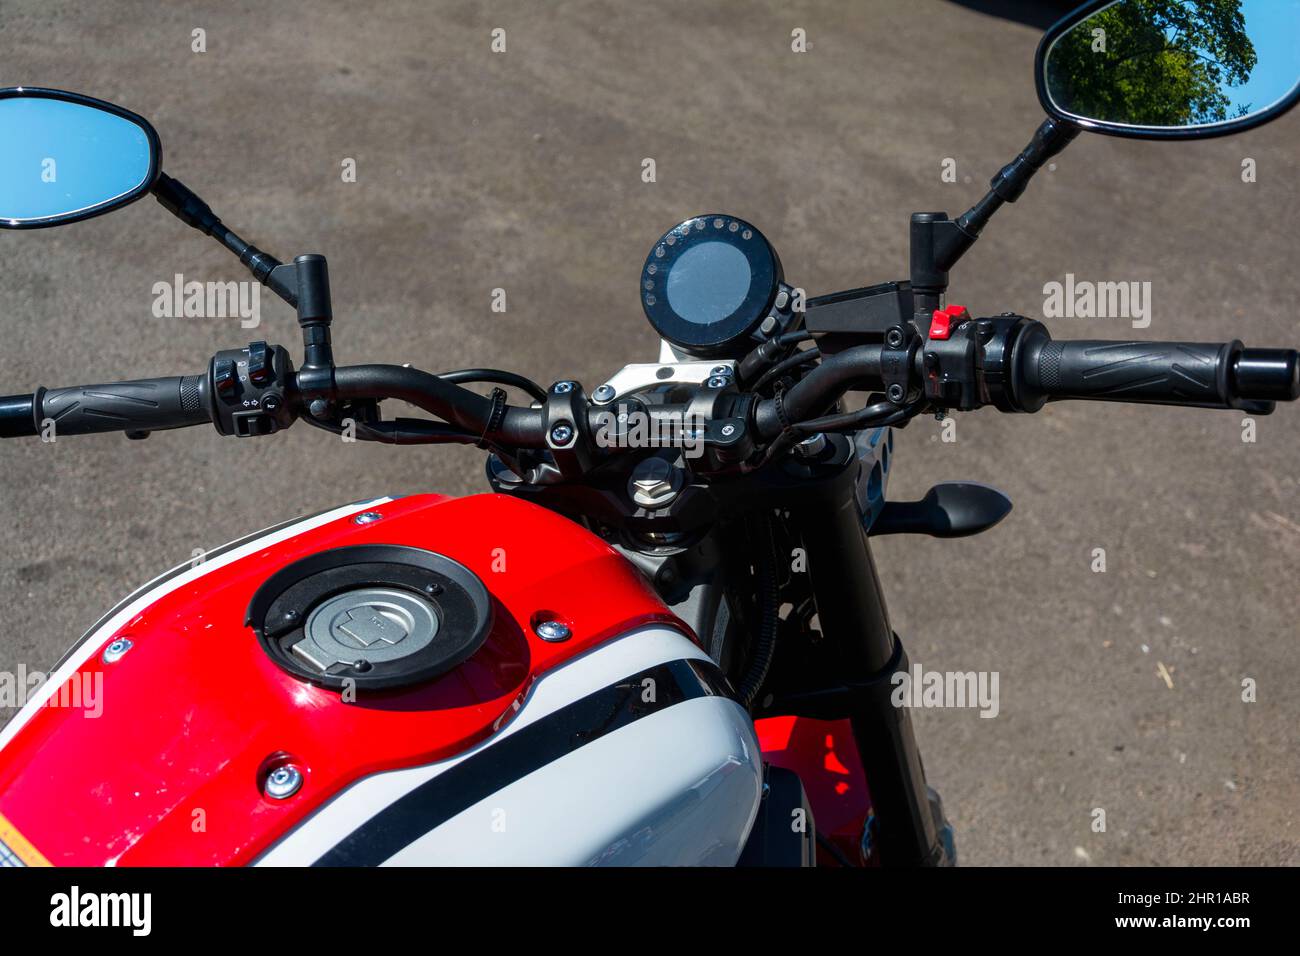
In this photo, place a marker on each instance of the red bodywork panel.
(170, 771)
(823, 754)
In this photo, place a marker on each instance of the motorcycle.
(663, 625)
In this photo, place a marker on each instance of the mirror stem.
(183, 203)
(1049, 139)
(937, 242)
(303, 283)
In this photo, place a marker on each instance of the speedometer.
(708, 283)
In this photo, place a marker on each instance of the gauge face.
(708, 283)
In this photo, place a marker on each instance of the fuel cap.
(372, 616)
(367, 624)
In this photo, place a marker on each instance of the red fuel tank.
(156, 740)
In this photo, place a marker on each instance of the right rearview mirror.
(1162, 69)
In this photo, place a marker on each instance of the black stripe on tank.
(516, 755)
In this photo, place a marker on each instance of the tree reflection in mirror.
(1168, 64)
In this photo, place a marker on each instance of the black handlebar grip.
(144, 405)
(1164, 373)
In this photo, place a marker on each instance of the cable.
(881, 413)
(459, 406)
(761, 356)
(414, 431)
(795, 337)
(497, 377)
(795, 360)
(770, 608)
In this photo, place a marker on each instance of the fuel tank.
(420, 680)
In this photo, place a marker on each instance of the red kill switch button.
(942, 321)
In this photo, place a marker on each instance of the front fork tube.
(851, 609)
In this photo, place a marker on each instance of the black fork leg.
(851, 610)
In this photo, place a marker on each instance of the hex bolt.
(604, 393)
(718, 381)
(367, 517)
(811, 447)
(728, 430)
(433, 588)
(720, 370)
(283, 782)
(562, 388)
(553, 631)
(894, 337)
(116, 650)
(562, 433)
(654, 483)
(895, 393)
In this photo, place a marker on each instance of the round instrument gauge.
(708, 283)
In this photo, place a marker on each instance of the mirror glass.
(1176, 64)
(62, 160)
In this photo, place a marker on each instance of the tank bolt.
(283, 782)
(367, 517)
(561, 388)
(432, 589)
(116, 651)
(552, 631)
(895, 392)
(290, 617)
(562, 433)
(604, 393)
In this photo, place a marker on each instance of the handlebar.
(459, 406)
(1008, 361)
(1013, 363)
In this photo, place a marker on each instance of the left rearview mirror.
(1172, 69)
(65, 157)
